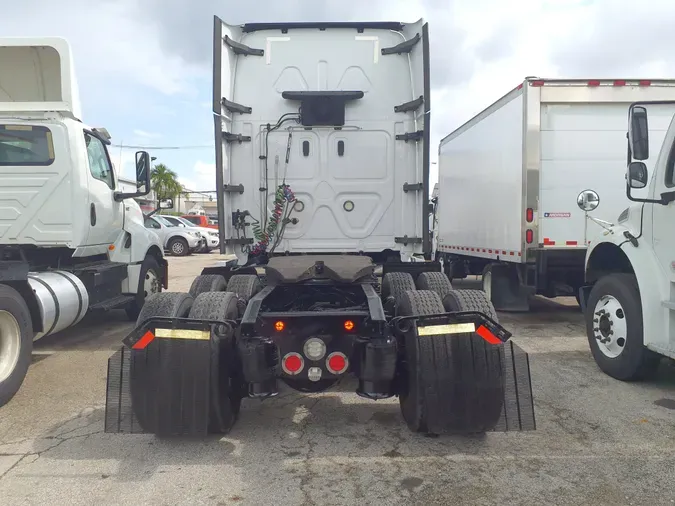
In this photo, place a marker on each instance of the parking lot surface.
(598, 441)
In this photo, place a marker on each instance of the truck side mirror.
(166, 204)
(638, 175)
(143, 169)
(638, 132)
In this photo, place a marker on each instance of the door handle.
(92, 215)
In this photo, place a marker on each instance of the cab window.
(26, 145)
(193, 219)
(99, 164)
(670, 168)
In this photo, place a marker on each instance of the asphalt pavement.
(598, 441)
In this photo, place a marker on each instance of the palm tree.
(164, 182)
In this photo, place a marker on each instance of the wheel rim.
(177, 248)
(150, 283)
(487, 284)
(10, 344)
(609, 326)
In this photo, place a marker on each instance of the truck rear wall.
(350, 179)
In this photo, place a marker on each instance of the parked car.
(200, 221)
(177, 240)
(211, 235)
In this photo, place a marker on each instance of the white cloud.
(202, 178)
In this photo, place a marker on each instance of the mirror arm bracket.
(119, 196)
(667, 198)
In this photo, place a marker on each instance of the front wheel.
(149, 283)
(16, 342)
(615, 329)
(179, 247)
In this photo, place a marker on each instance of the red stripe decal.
(144, 341)
(571, 243)
(548, 242)
(503, 252)
(483, 332)
(511, 253)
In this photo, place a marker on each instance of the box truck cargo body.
(510, 180)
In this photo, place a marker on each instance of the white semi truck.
(322, 156)
(70, 241)
(509, 179)
(629, 295)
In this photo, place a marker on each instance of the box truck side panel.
(481, 185)
(583, 146)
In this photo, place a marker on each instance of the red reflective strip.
(537, 83)
(548, 242)
(645, 82)
(520, 86)
(594, 82)
(511, 253)
(620, 82)
(483, 332)
(144, 341)
(571, 243)
(503, 252)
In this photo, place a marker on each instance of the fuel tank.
(62, 298)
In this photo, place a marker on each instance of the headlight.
(194, 234)
(213, 234)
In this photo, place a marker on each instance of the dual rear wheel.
(451, 383)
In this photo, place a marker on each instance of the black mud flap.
(159, 380)
(511, 364)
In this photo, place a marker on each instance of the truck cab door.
(104, 213)
(663, 217)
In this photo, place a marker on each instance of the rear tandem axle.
(191, 360)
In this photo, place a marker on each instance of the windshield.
(185, 222)
(164, 221)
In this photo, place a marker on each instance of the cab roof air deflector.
(359, 26)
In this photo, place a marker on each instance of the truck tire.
(208, 283)
(244, 286)
(435, 282)
(614, 306)
(455, 381)
(179, 247)
(16, 342)
(395, 284)
(149, 283)
(165, 304)
(226, 385)
(470, 300)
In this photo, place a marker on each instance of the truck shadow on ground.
(291, 426)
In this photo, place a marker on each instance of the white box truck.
(510, 179)
(70, 240)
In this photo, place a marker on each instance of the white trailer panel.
(480, 185)
(537, 148)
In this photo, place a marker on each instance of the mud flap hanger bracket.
(454, 323)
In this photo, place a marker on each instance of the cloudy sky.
(144, 66)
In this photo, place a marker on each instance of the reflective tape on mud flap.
(437, 330)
